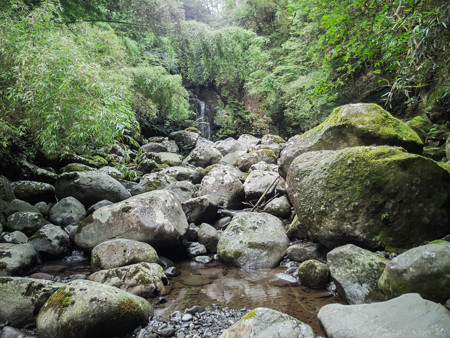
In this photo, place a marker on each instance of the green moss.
(128, 308)
(439, 241)
(76, 167)
(236, 254)
(153, 185)
(59, 300)
(193, 130)
(96, 262)
(126, 208)
(5, 280)
(208, 169)
(256, 245)
(249, 315)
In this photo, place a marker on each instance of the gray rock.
(248, 141)
(17, 205)
(142, 279)
(247, 160)
(314, 274)
(272, 139)
(33, 192)
(355, 272)
(301, 252)
(15, 237)
(68, 210)
(184, 173)
(6, 189)
(223, 186)
(11, 332)
(154, 147)
(153, 181)
(447, 148)
(71, 167)
(119, 252)
(52, 240)
(230, 145)
(230, 158)
(111, 171)
(183, 189)
(202, 259)
(200, 209)
(170, 145)
(280, 207)
(424, 270)
(22, 298)
(16, 258)
(186, 140)
(196, 249)
(98, 205)
(264, 322)
(187, 317)
(155, 217)
(257, 182)
(341, 197)
(90, 187)
(171, 159)
(350, 126)
(263, 166)
(208, 236)
(276, 148)
(253, 241)
(406, 316)
(27, 222)
(43, 208)
(88, 309)
(203, 155)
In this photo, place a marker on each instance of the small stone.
(194, 309)
(203, 259)
(186, 317)
(171, 272)
(196, 249)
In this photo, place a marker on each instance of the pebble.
(202, 259)
(186, 317)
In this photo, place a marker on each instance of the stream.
(221, 286)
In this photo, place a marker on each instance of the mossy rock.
(96, 160)
(314, 274)
(370, 196)
(247, 160)
(76, 167)
(421, 125)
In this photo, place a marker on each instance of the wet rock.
(17, 205)
(90, 187)
(301, 252)
(355, 272)
(350, 126)
(16, 258)
(51, 239)
(88, 309)
(155, 217)
(280, 207)
(314, 274)
(22, 298)
(257, 182)
(253, 240)
(223, 186)
(406, 316)
(171, 272)
(208, 236)
(142, 279)
(264, 322)
(203, 155)
(26, 222)
(247, 160)
(33, 192)
(202, 259)
(183, 189)
(68, 210)
(186, 140)
(6, 189)
(370, 195)
(194, 309)
(424, 270)
(119, 252)
(15, 237)
(196, 249)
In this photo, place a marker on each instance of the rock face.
(370, 196)
(120, 252)
(253, 241)
(90, 309)
(90, 187)
(16, 258)
(424, 270)
(355, 272)
(406, 316)
(22, 298)
(143, 279)
(352, 125)
(155, 217)
(264, 322)
(68, 210)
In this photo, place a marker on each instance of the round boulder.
(253, 241)
(16, 258)
(68, 210)
(27, 222)
(51, 239)
(33, 192)
(314, 274)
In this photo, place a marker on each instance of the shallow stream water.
(214, 283)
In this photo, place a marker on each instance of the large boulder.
(142, 279)
(22, 298)
(352, 125)
(89, 187)
(186, 140)
(88, 309)
(183, 189)
(314, 274)
(230, 145)
(253, 241)
(51, 239)
(16, 258)
(223, 186)
(406, 316)
(247, 160)
(355, 272)
(6, 189)
(119, 252)
(68, 210)
(33, 192)
(257, 182)
(375, 197)
(265, 322)
(184, 173)
(153, 181)
(200, 209)
(17, 205)
(424, 270)
(25, 221)
(155, 217)
(203, 155)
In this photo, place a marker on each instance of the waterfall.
(201, 113)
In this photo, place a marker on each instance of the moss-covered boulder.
(435, 153)
(271, 139)
(349, 126)
(265, 322)
(76, 167)
(153, 181)
(155, 217)
(375, 197)
(88, 309)
(119, 252)
(355, 272)
(16, 259)
(314, 274)
(22, 298)
(421, 125)
(424, 270)
(25, 221)
(253, 241)
(247, 160)
(33, 192)
(142, 279)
